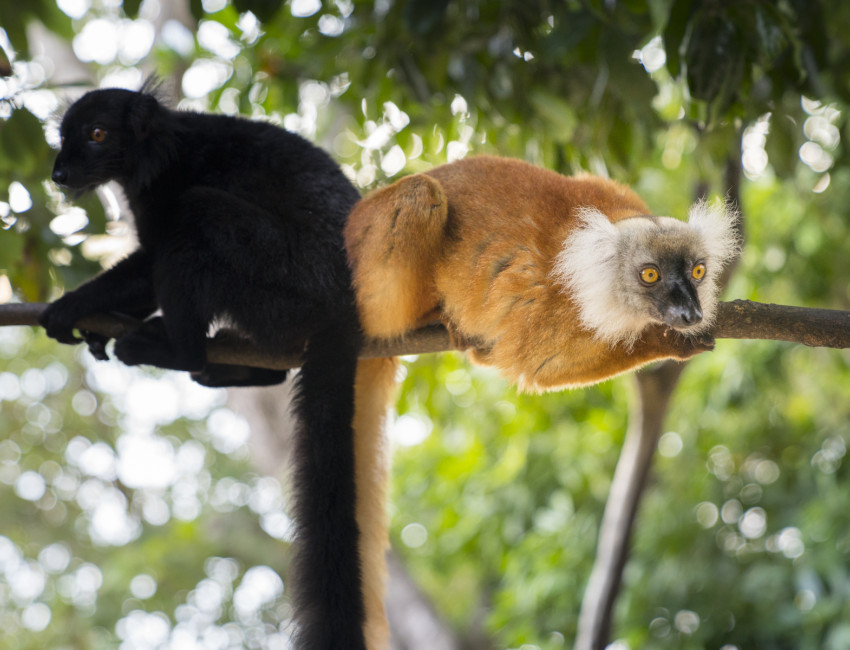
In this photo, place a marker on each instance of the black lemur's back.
(242, 221)
(240, 147)
(287, 178)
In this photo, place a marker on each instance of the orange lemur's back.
(538, 272)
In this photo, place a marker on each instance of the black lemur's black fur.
(238, 221)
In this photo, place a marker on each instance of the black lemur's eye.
(97, 134)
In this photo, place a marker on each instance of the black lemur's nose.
(59, 175)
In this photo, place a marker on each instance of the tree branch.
(744, 319)
(228, 348)
(739, 319)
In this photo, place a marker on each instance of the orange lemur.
(555, 281)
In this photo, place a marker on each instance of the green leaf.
(715, 60)
(56, 20)
(22, 143)
(11, 249)
(13, 19)
(196, 8)
(771, 38)
(572, 30)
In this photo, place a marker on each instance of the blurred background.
(140, 511)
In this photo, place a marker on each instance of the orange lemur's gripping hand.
(556, 281)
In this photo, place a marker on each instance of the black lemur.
(240, 222)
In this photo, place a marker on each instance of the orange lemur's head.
(630, 273)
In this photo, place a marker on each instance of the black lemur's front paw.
(59, 319)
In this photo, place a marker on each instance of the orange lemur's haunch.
(555, 281)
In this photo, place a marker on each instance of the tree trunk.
(655, 387)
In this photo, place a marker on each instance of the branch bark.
(738, 319)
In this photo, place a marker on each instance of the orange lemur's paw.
(662, 342)
(685, 346)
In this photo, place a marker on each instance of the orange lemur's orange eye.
(698, 272)
(649, 275)
(98, 134)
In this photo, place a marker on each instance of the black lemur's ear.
(150, 100)
(152, 130)
(154, 85)
(142, 116)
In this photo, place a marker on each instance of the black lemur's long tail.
(329, 607)
(341, 472)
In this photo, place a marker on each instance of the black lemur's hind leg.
(329, 601)
(177, 339)
(151, 344)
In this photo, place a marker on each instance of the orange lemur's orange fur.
(538, 273)
(374, 390)
(482, 242)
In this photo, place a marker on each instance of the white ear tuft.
(715, 223)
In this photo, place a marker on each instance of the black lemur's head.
(113, 134)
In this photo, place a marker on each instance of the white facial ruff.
(589, 268)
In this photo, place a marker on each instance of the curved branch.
(745, 319)
(738, 319)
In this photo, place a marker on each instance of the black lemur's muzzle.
(59, 175)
